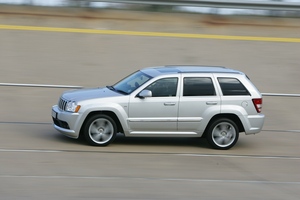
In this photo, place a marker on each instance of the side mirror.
(145, 93)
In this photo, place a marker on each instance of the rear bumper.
(254, 124)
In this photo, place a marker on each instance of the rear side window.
(232, 87)
(198, 86)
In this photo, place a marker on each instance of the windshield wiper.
(121, 91)
(111, 87)
(116, 90)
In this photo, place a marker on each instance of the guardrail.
(257, 5)
(80, 87)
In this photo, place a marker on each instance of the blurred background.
(249, 7)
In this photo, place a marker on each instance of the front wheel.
(100, 130)
(222, 134)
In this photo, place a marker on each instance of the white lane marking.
(294, 131)
(39, 85)
(291, 131)
(79, 87)
(26, 123)
(30, 150)
(242, 156)
(280, 95)
(152, 179)
(154, 153)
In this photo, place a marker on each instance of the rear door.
(198, 102)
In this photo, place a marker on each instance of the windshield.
(131, 82)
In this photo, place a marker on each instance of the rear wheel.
(100, 130)
(222, 134)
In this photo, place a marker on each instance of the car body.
(167, 101)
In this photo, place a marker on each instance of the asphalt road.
(37, 162)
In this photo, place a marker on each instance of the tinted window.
(131, 82)
(198, 86)
(232, 87)
(165, 87)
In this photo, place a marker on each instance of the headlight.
(72, 106)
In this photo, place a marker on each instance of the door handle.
(211, 103)
(170, 104)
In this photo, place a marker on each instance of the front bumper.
(65, 122)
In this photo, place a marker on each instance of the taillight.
(257, 104)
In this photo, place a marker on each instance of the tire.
(100, 130)
(222, 134)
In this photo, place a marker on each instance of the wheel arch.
(104, 112)
(230, 116)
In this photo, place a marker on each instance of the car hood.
(93, 93)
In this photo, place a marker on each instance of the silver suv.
(171, 101)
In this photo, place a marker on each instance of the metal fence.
(258, 5)
(277, 5)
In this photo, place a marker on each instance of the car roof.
(174, 69)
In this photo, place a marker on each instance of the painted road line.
(79, 87)
(151, 179)
(25, 123)
(150, 34)
(241, 156)
(153, 153)
(39, 85)
(30, 151)
(280, 95)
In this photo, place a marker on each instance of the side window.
(165, 87)
(198, 86)
(232, 87)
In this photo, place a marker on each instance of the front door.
(156, 114)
